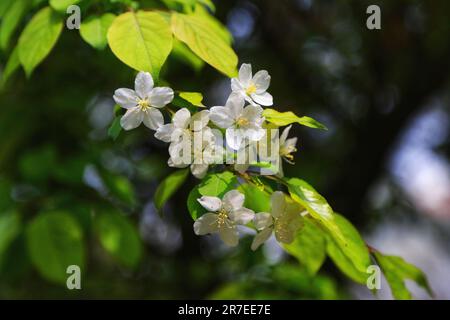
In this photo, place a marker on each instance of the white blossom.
(191, 141)
(223, 216)
(284, 221)
(253, 88)
(241, 123)
(143, 102)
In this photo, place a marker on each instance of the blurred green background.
(384, 163)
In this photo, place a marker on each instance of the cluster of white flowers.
(224, 215)
(193, 142)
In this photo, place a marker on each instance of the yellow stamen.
(222, 218)
(144, 104)
(250, 89)
(242, 122)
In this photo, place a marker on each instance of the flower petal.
(235, 138)
(229, 235)
(153, 118)
(132, 118)
(236, 86)
(160, 96)
(207, 223)
(245, 74)
(263, 220)
(261, 237)
(241, 168)
(264, 99)
(252, 113)
(261, 79)
(199, 170)
(181, 118)
(164, 133)
(174, 164)
(278, 203)
(285, 134)
(221, 117)
(233, 200)
(242, 216)
(210, 203)
(290, 143)
(143, 84)
(126, 98)
(235, 103)
(199, 120)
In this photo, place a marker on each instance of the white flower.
(193, 142)
(143, 102)
(284, 220)
(253, 89)
(285, 149)
(240, 123)
(183, 126)
(223, 216)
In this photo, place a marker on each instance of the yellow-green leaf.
(141, 40)
(38, 38)
(12, 16)
(195, 98)
(95, 28)
(203, 40)
(286, 118)
(62, 5)
(11, 66)
(396, 270)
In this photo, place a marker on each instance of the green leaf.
(119, 238)
(217, 184)
(352, 257)
(316, 205)
(13, 15)
(255, 198)
(286, 118)
(204, 40)
(396, 270)
(214, 24)
(195, 98)
(9, 229)
(4, 6)
(95, 28)
(184, 54)
(11, 66)
(195, 209)
(115, 128)
(169, 186)
(344, 263)
(62, 5)
(141, 40)
(55, 241)
(308, 247)
(38, 38)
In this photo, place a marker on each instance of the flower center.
(222, 218)
(143, 104)
(242, 122)
(250, 89)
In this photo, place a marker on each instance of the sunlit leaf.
(119, 238)
(169, 186)
(55, 241)
(11, 66)
(142, 40)
(286, 118)
(38, 38)
(184, 54)
(396, 270)
(194, 207)
(195, 98)
(217, 184)
(94, 29)
(62, 5)
(316, 205)
(255, 198)
(201, 38)
(308, 247)
(13, 14)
